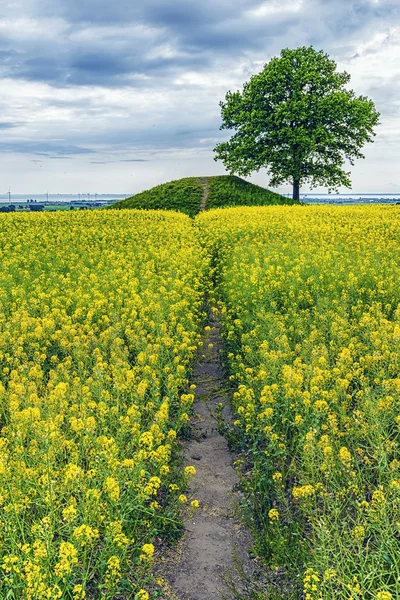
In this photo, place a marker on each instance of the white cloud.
(274, 7)
(29, 29)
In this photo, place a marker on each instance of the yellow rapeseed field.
(310, 302)
(99, 321)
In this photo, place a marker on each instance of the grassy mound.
(185, 195)
(228, 190)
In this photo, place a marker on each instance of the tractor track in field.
(214, 540)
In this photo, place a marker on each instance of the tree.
(297, 119)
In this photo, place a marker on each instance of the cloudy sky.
(117, 96)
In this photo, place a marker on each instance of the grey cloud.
(63, 157)
(386, 95)
(67, 63)
(9, 125)
(125, 160)
(144, 47)
(154, 12)
(201, 34)
(156, 137)
(42, 148)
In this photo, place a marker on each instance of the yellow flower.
(190, 470)
(358, 533)
(85, 535)
(69, 513)
(273, 514)
(329, 574)
(384, 596)
(113, 573)
(10, 564)
(68, 558)
(378, 497)
(305, 491)
(78, 592)
(345, 456)
(111, 487)
(147, 552)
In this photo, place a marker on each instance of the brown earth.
(205, 183)
(214, 540)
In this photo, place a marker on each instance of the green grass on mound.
(228, 190)
(183, 195)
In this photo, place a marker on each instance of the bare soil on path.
(214, 539)
(206, 186)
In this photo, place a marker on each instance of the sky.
(117, 96)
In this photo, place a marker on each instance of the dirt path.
(204, 182)
(213, 536)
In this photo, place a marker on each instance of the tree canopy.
(297, 120)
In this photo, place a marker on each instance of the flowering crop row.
(99, 320)
(310, 301)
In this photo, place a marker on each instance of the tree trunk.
(296, 190)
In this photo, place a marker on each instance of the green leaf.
(297, 120)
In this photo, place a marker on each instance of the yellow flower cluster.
(304, 491)
(310, 302)
(273, 514)
(100, 314)
(384, 596)
(147, 552)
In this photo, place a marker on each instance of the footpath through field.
(214, 539)
(206, 187)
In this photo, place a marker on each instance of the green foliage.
(227, 190)
(297, 120)
(183, 195)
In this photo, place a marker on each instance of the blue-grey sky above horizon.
(100, 96)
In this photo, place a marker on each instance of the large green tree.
(297, 120)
